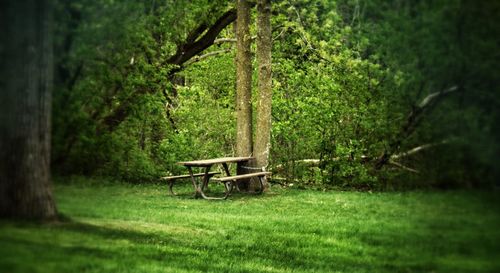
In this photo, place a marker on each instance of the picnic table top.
(210, 162)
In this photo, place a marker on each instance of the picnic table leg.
(206, 177)
(261, 189)
(229, 186)
(195, 185)
(170, 187)
(204, 184)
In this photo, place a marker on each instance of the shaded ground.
(124, 228)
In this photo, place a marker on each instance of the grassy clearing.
(125, 228)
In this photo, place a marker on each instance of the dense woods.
(365, 94)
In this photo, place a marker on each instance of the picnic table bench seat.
(241, 176)
(235, 178)
(171, 179)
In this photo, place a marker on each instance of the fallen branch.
(308, 161)
(283, 181)
(312, 162)
(403, 166)
(412, 122)
(316, 162)
(418, 149)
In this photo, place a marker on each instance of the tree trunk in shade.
(243, 81)
(25, 107)
(264, 46)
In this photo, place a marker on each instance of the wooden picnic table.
(229, 181)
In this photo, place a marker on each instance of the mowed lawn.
(124, 228)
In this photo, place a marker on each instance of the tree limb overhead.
(193, 47)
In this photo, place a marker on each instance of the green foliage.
(346, 75)
(124, 228)
(114, 110)
(349, 73)
(330, 106)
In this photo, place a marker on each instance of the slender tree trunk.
(25, 106)
(243, 81)
(264, 45)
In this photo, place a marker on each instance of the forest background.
(366, 94)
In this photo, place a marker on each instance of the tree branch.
(204, 56)
(412, 122)
(418, 149)
(402, 166)
(191, 47)
(425, 102)
(194, 34)
(224, 40)
(230, 40)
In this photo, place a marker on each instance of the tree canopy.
(366, 94)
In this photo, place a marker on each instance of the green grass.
(125, 228)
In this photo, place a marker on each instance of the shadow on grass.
(72, 245)
(172, 252)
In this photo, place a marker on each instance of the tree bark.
(243, 81)
(264, 45)
(26, 72)
(264, 103)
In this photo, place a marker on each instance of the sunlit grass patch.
(123, 228)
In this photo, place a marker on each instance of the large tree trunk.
(243, 81)
(25, 105)
(263, 130)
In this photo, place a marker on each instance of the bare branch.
(309, 45)
(204, 56)
(283, 30)
(229, 40)
(403, 167)
(435, 95)
(224, 40)
(413, 120)
(418, 149)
